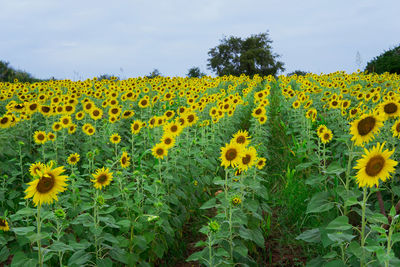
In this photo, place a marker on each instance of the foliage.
(250, 56)
(195, 72)
(298, 73)
(389, 61)
(154, 73)
(9, 74)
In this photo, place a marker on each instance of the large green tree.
(389, 61)
(9, 74)
(253, 55)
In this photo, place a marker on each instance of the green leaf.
(319, 203)
(209, 204)
(20, 259)
(4, 253)
(330, 255)
(335, 168)
(79, 258)
(378, 218)
(197, 256)
(341, 237)
(60, 246)
(395, 238)
(392, 212)
(341, 223)
(159, 249)
(335, 263)
(34, 237)
(23, 230)
(106, 262)
(378, 229)
(312, 236)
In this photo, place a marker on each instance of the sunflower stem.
(363, 223)
(348, 170)
(43, 153)
(39, 241)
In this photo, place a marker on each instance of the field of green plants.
(225, 171)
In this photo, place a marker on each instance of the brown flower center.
(46, 183)
(174, 128)
(241, 139)
(398, 127)
(2, 222)
(246, 160)
(390, 108)
(375, 165)
(190, 118)
(40, 137)
(160, 151)
(135, 127)
(96, 113)
(102, 178)
(167, 141)
(231, 154)
(123, 160)
(366, 125)
(4, 120)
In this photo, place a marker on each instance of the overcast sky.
(82, 39)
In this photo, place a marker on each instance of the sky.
(130, 38)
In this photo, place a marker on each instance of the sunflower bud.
(100, 200)
(60, 213)
(213, 226)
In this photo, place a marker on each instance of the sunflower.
(326, 136)
(72, 128)
(102, 178)
(4, 225)
(65, 121)
(35, 168)
(96, 113)
(136, 126)
(5, 121)
(49, 183)
(115, 138)
(236, 200)
(396, 129)
(241, 138)
(159, 151)
(173, 129)
(261, 163)
(231, 154)
(364, 128)
(56, 126)
(374, 165)
(262, 119)
(80, 115)
(258, 111)
(40, 137)
(390, 109)
(51, 136)
(73, 159)
(296, 104)
(125, 160)
(248, 159)
(168, 141)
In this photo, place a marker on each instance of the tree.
(298, 73)
(154, 74)
(253, 55)
(389, 61)
(195, 72)
(9, 74)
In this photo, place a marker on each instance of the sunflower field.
(225, 171)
